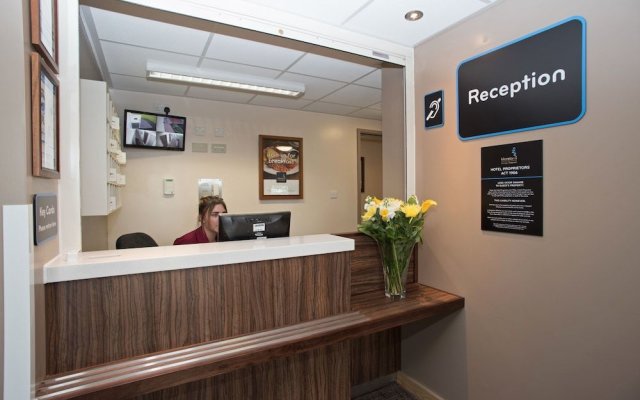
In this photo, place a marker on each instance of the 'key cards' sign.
(534, 82)
(45, 217)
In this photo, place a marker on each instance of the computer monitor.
(253, 226)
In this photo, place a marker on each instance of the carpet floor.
(392, 391)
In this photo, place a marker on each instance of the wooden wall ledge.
(371, 312)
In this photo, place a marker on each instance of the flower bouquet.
(396, 226)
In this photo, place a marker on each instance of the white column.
(19, 363)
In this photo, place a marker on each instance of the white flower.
(392, 204)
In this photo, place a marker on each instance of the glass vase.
(395, 256)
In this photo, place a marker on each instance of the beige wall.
(18, 186)
(393, 127)
(553, 317)
(371, 150)
(330, 160)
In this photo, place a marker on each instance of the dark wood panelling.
(122, 379)
(375, 355)
(300, 328)
(314, 375)
(95, 321)
(379, 354)
(371, 314)
(366, 267)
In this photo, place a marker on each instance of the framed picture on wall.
(44, 30)
(280, 167)
(45, 112)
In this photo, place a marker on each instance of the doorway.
(369, 166)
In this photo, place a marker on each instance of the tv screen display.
(254, 226)
(154, 131)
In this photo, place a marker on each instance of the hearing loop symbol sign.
(434, 109)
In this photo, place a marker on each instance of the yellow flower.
(427, 204)
(384, 213)
(371, 211)
(410, 210)
(377, 201)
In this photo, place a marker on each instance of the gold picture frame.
(44, 30)
(280, 167)
(45, 119)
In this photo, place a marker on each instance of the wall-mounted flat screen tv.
(154, 131)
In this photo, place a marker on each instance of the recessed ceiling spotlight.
(413, 15)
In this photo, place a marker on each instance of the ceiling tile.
(219, 94)
(135, 84)
(315, 88)
(326, 79)
(243, 51)
(353, 95)
(438, 15)
(279, 102)
(239, 68)
(147, 33)
(367, 113)
(329, 108)
(131, 60)
(333, 12)
(330, 68)
(374, 80)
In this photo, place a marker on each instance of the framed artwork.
(44, 30)
(280, 167)
(45, 125)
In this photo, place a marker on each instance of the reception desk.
(288, 318)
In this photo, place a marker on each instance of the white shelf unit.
(101, 157)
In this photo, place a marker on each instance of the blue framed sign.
(434, 109)
(537, 81)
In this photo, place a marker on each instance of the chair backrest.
(133, 240)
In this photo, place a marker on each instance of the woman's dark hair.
(207, 203)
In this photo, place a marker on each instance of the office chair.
(134, 240)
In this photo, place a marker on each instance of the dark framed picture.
(280, 167)
(44, 30)
(45, 119)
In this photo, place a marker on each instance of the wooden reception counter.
(292, 318)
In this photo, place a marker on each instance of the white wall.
(330, 160)
(552, 317)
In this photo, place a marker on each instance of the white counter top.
(99, 264)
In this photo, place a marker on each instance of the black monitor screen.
(254, 226)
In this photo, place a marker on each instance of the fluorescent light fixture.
(222, 79)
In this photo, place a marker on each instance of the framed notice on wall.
(44, 30)
(44, 119)
(512, 188)
(280, 167)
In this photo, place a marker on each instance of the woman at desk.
(209, 208)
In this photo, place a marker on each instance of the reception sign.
(512, 188)
(534, 82)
